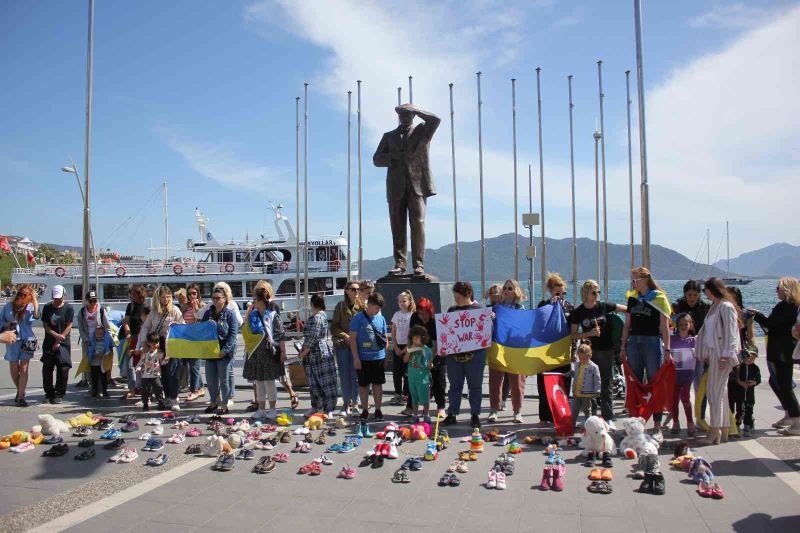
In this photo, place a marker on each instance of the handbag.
(380, 337)
(29, 345)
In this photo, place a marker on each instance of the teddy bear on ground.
(700, 471)
(214, 445)
(596, 441)
(52, 426)
(637, 440)
(314, 422)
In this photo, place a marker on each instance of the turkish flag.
(559, 403)
(31, 259)
(654, 397)
(4, 245)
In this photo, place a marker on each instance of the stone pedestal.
(439, 293)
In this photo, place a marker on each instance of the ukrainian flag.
(529, 341)
(193, 341)
(251, 339)
(656, 298)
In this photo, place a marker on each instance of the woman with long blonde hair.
(163, 314)
(558, 295)
(512, 297)
(18, 316)
(779, 325)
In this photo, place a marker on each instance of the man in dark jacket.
(405, 153)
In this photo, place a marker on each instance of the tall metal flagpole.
(514, 149)
(455, 193)
(349, 180)
(630, 162)
(297, 198)
(603, 167)
(597, 198)
(360, 232)
(305, 195)
(410, 90)
(637, 13)
(480, 180)
(166, 225)
(541, 175)
(572, 182)
(530, 237)
(87, 153)
(399, 96)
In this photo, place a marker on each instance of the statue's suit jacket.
(414, 152)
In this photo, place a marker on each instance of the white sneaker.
(492, 417)
(272, 414)
(783, 422)
(517, 418)
(611, 425)
(793, 429)
(503, 406)
(230, 403)
(331, 415)
(175, 406)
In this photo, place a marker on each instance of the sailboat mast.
(728, 246)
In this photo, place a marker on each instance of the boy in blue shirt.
(368, 346)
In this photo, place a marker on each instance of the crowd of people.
(710, 343)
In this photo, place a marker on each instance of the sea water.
(759, 294)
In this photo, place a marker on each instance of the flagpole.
(360, 230)
(297, 198)
(349, 180)
(87, 155)
(603, 167)
(455, 193)
(637, 12)
(399, 96)
(541, 175)
(597, 198)
(530, 237)
(480, 180)
(630, 163)
(410, 90)
(572, 183)
(305, 195)
(514, 150)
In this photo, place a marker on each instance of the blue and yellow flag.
(529, 341)
(251, 338)
(656, 298)
(193, 341)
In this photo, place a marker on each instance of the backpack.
(615, 325)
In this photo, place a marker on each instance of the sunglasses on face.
(634, 280)
(508, 288)
(92, 300)
(216, 298)
(596, 293)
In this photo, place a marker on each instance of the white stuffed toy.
(596, 441)
(52, 426)
(637, 442)
(214, 445)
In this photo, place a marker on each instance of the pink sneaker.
(193, 432)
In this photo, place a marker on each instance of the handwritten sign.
(463, 331)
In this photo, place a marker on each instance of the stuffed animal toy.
(284, 419)
(700, 471)
(682, 462)
(236, 440)
(52, 425)
(491, 436)
(85, 419)
(214, 445)
(5, 442)
(390, 427)
(18, 437)
(341, 423)
(551, 449)
(596, 441)
(637, 440)
(321, 415)
(314, 422)
(424, 427)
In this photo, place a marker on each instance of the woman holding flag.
(217, 370)
(163, 314)
(558, 294)
(645, 336)
(512, 297)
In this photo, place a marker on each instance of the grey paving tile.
(192, 515)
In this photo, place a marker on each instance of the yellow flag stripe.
(186, 349)
(529, 361)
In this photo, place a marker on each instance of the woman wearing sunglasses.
(779, 325)
(511, 297)
(592, 319)
(558, 294)
(646, 335)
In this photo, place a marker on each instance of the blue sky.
(202, 94)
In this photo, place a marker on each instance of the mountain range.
(777, 259)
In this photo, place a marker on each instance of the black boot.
(659, 486)
(589, 459)
(647, 485)
(607, 460)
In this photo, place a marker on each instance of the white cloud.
(722, 140)
(735, 16)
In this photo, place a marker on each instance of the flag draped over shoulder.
(529, 341)
(656, 298)
(251, 338)
(193, 341)
(654, 397)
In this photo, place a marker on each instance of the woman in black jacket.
(780, 345)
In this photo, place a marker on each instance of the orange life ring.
(201, 269)
(284, 266)
(120, 271)
(178, 269)
(228, 267)
(336, 264)
(60, 272)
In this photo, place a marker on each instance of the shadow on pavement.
(765, 522)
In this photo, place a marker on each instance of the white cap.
(58, 291)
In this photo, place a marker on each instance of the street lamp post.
(87, 230)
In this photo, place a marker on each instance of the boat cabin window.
(251, 286)
(340, 283)
(322, 254)
(324, 285)
(225, 257)
(77, 293)
(115, 291)
(236, 288)
(242, 257)
(272, 256)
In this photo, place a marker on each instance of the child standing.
(100, 353)
(400, 326)
(682, 344)
(586, 383)
(419, 359)
(368, 347)
(149, 368)
(741, 391)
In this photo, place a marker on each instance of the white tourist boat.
(240, 264)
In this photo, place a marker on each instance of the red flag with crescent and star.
(4, 245)
(654, 397)
(559, 403)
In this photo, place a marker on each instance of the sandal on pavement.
(347, 472)
(280, 457)
(444, 480)
(193, 449)
(606, 475)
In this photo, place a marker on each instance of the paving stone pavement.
(759, 489)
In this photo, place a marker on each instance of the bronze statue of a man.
(409, 183)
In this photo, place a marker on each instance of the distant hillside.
(63, 248)
(775, 260)
(666, 263)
